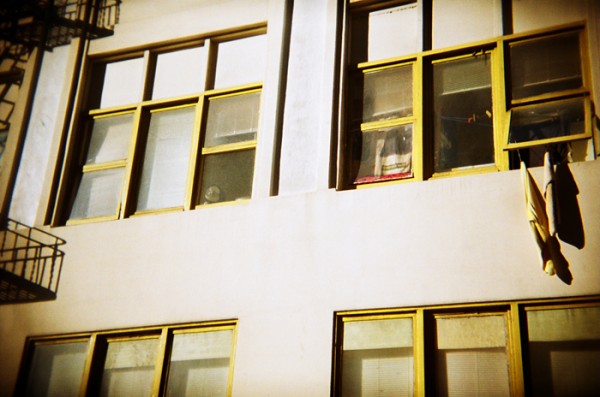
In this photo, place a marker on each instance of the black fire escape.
(30, 259)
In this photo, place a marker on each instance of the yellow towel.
(538, 220)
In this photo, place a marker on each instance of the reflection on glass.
(98, 194)
(179, 73)
(166, 159)
(451, 27)
(463, 128)
(378, 358)
(232, 119)
(56, 370)
(401, 22)
(388, 94)
(110, 139)
(200, 364)
(129, 368)
(386, 154)
(545, 65)
(471, 356)
(564, 351)
(227, 176)
(547, 120)
(123, 82)
(241, 61)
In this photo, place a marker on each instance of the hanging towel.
(538, 220)
(549, 194)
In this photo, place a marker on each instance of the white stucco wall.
(283, 265)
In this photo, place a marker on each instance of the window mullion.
(127, 194)
(499, 106)
(418, 132)
(87, 369)
(515, 351)
(195, 156)
(160, 365)
(149, 71)
(419, 352)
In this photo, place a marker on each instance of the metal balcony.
(30, 264)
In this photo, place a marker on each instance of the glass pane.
(386, 154)
(98, 194)
(564, 351)
(227, 177)
(232, 119)
(388, 94)
(3, 139)
(547, 120)
(123, 82)
(179, 73)
(471, 356)
(546, 65)
(200, 364)
(458, 22)
(129, 368)
(110, 139)
(463, 128)
(166, 159)
(378, 358)
(401, 23)
(56, 370)
(241, 61)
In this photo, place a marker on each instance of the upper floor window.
(531, 348)
(168, 361)
(167, 128)
(422, 101)
(549, 92)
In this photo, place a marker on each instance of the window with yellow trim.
(422, 100)
(165, 128)
(182, 360)
(537, 348)
(549, 96)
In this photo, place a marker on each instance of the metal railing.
(30, 263)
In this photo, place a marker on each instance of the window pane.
(179, 73)
(123, 82)
(471, 356)
(378, 358)
(564, 351)
(478, 20)
(232, 119)
(110, 139)
(241, 61)
(200, 364)
(546, 65)
(375, 30)
(547, 120)
(98, 194)
(129, 368)
(227, 177)
(388, 94)
(56, 370)
(166, 159)
(386, 154)
(463, 129)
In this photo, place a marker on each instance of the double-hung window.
(421, 99)
(166, 128)
(185, 360)
(549, 94)
(543, 348)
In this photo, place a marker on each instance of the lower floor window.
(189, 360)
(532, 348)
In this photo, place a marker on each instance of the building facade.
(314, 198)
